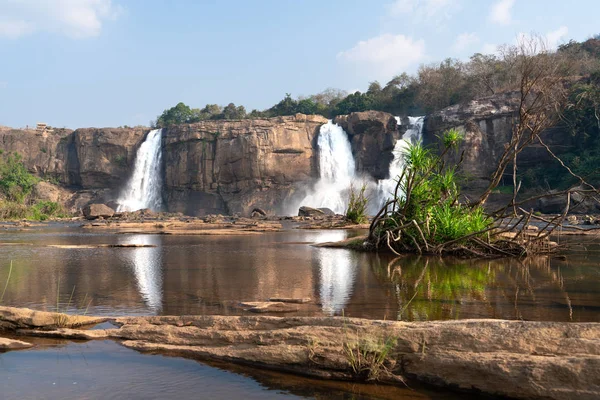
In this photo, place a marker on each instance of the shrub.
(357, 205)
(16, 183)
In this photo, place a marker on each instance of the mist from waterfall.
(144, 189)
(413, 134)
(336, 170)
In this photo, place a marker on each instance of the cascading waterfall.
(144, 188)
(413, 134)
(336, 169)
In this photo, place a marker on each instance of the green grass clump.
(357, 205)
(426, 211)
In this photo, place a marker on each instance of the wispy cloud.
(424, 11)
(550, 40)
(385, 55)
(72, 18)
(465, 41)
(500, 12)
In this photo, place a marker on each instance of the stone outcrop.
(235, 166)
(95, 211)
(210, 167)
(487, 126)
(373, 135)
(516, 359)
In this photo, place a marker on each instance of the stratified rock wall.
(487, 126)
(373, 135)
(209, 167)
(234, 166)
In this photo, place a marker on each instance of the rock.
(11, 344)
(572, 219)
(487, 126)
(290, 300)
(305, 211)
(552, 205)
(515, 359)
(268, 307)
(258, 212)
(95, 211)
(373, 135)
(326, 211)
(48, 192)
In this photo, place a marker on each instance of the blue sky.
(80, 63)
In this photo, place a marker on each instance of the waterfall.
(336, 169)
(413, 134)
(145, 185)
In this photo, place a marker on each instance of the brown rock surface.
(235, 166)
(519, 359)
(373, 136)
(12, 344)
(95, 211)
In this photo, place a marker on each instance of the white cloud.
(489, 48)
(73, 18)
(549, 41)
(432, 11)
(385, 55)
(500, 12)
(554, 38)
(465, 40)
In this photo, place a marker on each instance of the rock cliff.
(234, 166)
(487, 126)
(373, 135)
(209, 167)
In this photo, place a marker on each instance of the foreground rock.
(519, 359)
(95, 211)
(11, 344)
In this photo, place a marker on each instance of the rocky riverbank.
(517, 359)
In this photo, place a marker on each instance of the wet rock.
(258, 212)
(95, 211)
(306, 211)
(268, 307)
(11, 344)
(515, 359)
(327, 211)
(292, 300)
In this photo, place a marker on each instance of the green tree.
(16, 183)
(180, 114)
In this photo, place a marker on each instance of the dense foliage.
(16, 185)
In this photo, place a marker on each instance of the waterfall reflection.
(146, 263)
(337, 273)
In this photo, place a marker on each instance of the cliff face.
(373, 135)
(209, 167)
(234, 166)
(487, 126)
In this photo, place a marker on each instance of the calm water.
(212, 275)
(106, 370)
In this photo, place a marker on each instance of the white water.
(336, 170)
(413, 134)
(145, 185)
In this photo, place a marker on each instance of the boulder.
(326, 211)
(306, 211)
(95, 211)
(258, 212)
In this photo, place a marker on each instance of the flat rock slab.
(291, 300)
(515, 359)
(268, 307)
(11, 344)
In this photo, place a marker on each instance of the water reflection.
(146, 264)
(337, 274)
(212, 275)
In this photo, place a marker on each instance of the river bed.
(213, 274)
